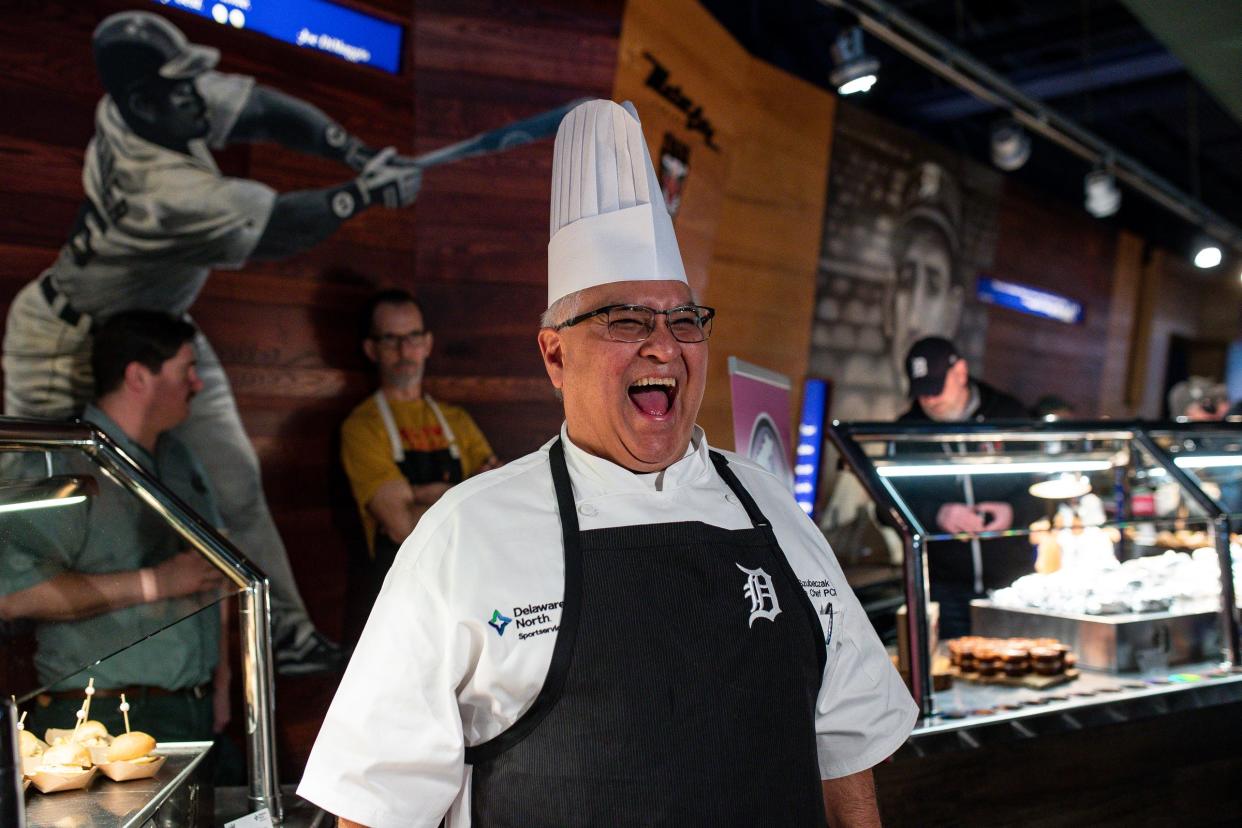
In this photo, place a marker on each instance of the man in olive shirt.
(103, 574)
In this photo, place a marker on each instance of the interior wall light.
(61, 490)
(1103, 196)
(1061, 486)
(1011, 145)
(942, 469)
(856, 70)
(1209, 461)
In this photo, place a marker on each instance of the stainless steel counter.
(108, 804)
(973, 715)
(233, 803)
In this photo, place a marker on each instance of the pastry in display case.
(1017, 662)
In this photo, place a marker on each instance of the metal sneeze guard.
(893, 511)
(22, 435)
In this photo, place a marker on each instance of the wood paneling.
(1115, 397)
(751, 211)
(473, 247)
(1044, 245)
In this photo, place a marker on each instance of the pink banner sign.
(761, 417)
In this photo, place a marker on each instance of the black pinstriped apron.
(675, 696)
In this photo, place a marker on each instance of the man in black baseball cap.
(942, 390)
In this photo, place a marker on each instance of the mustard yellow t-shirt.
(366, 451)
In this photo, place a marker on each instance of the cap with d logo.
(927, 364)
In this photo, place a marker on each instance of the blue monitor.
(810, 443)
(312, 24)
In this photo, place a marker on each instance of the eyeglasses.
(392, 342)
(634, 323)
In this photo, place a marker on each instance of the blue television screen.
(312, 24)
(810, 443)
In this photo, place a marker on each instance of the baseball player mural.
(159, 216)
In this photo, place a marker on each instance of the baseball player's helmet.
(135, 46)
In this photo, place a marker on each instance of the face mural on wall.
(926, 294)
(908, 226)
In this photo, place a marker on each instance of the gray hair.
(561, 310)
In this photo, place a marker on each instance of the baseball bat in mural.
(158, 217)
(506, 137)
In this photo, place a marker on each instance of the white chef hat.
(608, 222)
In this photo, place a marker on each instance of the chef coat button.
(588, 510)
(731, 497)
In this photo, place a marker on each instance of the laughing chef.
(626, 627)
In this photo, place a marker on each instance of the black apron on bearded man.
(442, 465)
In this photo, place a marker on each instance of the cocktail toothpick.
(124, 708)
(21, 723)
(85, 710)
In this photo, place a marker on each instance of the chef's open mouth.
(654, 396)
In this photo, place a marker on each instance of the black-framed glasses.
(634, 323)
(392, 342)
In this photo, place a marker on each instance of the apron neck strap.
(730, 479)
(564, 495)
(453, 449)
(394, 437)
(390, 426)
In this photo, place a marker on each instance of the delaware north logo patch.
(499, 622)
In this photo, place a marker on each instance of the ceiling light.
(1011, 146)
(1208, 255)
(856, 70)
(1103, 197)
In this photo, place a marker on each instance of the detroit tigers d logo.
(762, 595)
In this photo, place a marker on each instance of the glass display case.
(108, 580)
(1074, 565)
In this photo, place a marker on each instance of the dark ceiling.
(1090, 60)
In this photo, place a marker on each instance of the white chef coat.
(460, 639)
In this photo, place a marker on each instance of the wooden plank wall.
(1043, 244)
(752, 205)
(473, 246)
(1115, 398)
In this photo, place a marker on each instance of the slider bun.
(67, 754)
(29, 744)
(91, 730)
(130, 745)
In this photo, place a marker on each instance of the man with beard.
(401, 449)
